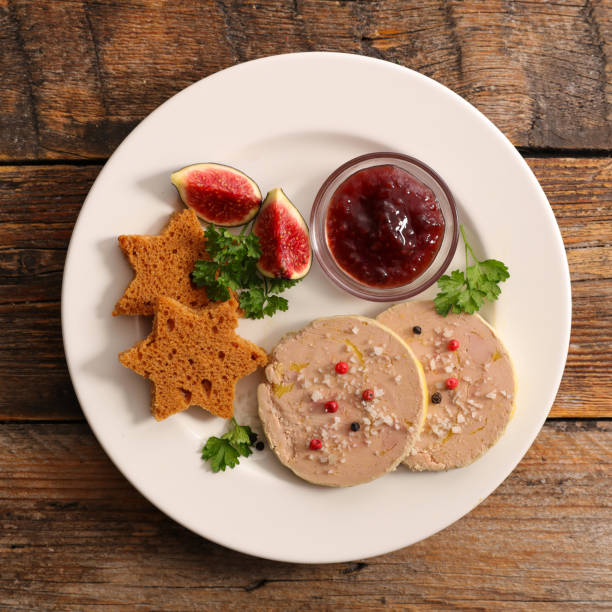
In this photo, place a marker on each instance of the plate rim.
(526, 441)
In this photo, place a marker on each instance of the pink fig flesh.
(283, 238)
(218, 194)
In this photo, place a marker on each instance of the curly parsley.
(232, 266)
(467, 291)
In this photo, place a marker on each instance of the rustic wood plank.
(580, 192)
(76, 535)
(39, 205)
(79, 75)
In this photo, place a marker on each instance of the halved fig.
(218, 194)
(283, 237)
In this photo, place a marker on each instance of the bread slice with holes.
(163, 264)
(193, 357)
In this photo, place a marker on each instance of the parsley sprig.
(225, 451)
(232, 266)
(467, 292)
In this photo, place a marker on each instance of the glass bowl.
(318, 231)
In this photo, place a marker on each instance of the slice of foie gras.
(302, 377)
(470, 418)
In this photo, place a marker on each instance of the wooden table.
(76, 77)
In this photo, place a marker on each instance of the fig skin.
(278, 260)
(246, 194)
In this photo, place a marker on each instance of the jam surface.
(384, 227)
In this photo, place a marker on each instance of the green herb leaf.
(467, 292)
(278, 285)
(274, 304)
(223, 452)
(240, 438)
(232, 266)
(252, 302)
(220, 453)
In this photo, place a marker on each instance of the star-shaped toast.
(193, 357)
(163, 266)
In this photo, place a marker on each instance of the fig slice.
(283, 238)
(218, 194)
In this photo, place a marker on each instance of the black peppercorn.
(355, 426)
(417, 330)
(436, 398)
(260, 445)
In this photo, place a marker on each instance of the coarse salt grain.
(398, 378)
(379, 392)
(355, 330)
(448, 369)
(316, 396)
(460, 418)
(456, 429)
(377, 350)
(491, 395)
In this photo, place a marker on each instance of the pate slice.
(342, 359)
(465, 421)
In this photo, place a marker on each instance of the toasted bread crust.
(163, 266)
(193, 357)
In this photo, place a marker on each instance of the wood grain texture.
(78, 75)
(75, 535)
(39, 205)
(580, 192)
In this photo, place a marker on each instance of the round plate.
(289, 121)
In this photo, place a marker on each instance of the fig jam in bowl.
(384, 227)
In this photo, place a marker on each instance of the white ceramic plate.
(290, 121)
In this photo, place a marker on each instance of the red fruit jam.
(384, 227)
